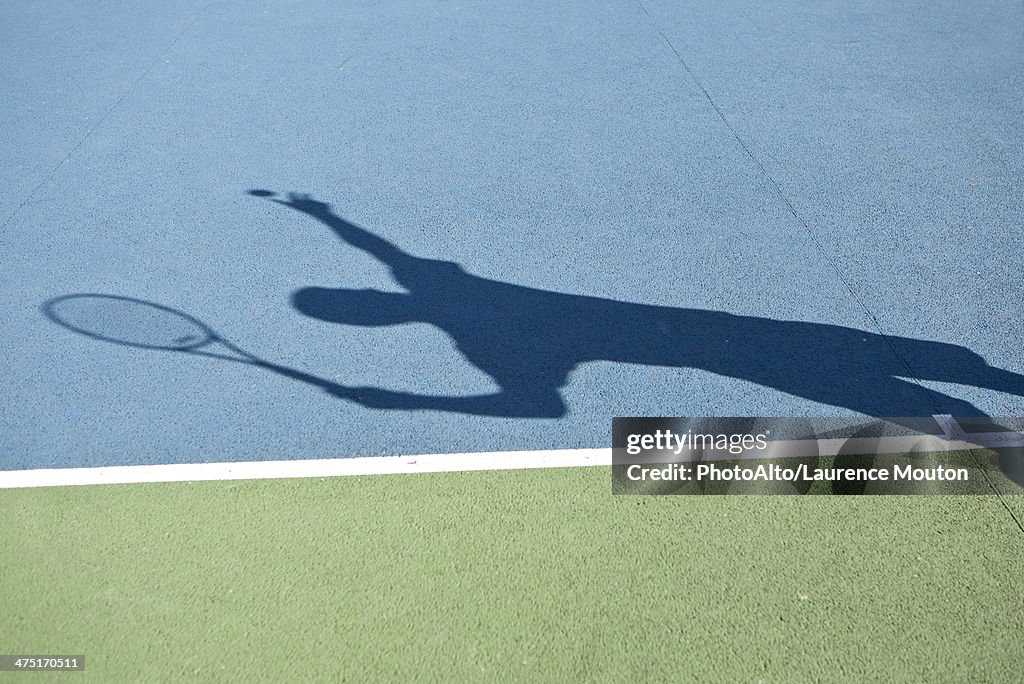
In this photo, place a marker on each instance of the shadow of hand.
(296, 200)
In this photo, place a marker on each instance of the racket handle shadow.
(333, 388)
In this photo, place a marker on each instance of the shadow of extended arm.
(500, 404)
(350, 233)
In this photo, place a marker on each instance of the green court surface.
(537, 575)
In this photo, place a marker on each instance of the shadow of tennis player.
(529, 340)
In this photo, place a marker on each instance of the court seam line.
(789, 205)
(103, 117)
(815, 241)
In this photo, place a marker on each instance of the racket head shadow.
(128, 321)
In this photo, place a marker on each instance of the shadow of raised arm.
(350, 233)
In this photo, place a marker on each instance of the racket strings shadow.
(138, 323)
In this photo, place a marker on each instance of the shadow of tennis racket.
(138, 323)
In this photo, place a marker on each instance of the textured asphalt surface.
(818, 206)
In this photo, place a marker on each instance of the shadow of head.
(354, 307)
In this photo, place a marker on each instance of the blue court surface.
(282, 230)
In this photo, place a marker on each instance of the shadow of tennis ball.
(261, 193)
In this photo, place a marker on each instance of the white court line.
(447, 463)
(325, 467)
